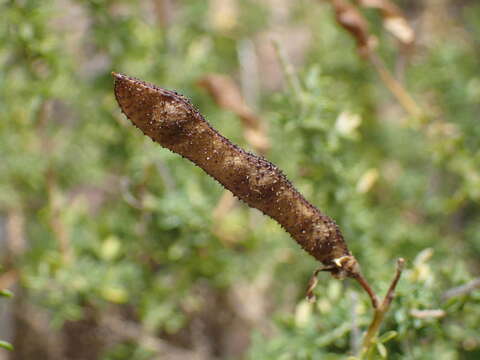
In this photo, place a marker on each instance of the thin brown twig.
(402, 95)
(461, 290)
(290, 74)
(356, 274)
(428, 314)
(368, 289)
(351, 19)
(381, 311)
(312, 283)
(391, 290)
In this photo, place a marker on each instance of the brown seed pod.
(169, 119)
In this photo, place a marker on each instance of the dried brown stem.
(402, 95)
(358, 276)
(290, 74)
(351, 19)
(312, 283)
(461, 290)
(368, 289)
(428, 314)
(381, 311)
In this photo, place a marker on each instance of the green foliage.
(6, 293)
(114, 221)
(6, 345)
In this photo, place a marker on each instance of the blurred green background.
(110, 243)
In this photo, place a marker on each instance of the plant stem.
(380, 312)
(394, 86)
(366, 286)
(290, 74)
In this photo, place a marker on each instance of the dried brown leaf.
(227, 95)
(393, 19)
(350, 18)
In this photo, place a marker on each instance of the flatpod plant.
(169, 119)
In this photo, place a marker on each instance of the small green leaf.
(114, 294)
(389, 335)
(6, 345)
(6, 293)
(110, 248)
(382, 350)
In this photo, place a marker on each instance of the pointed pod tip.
(118, 76)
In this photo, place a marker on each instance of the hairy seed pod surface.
(169, 119)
